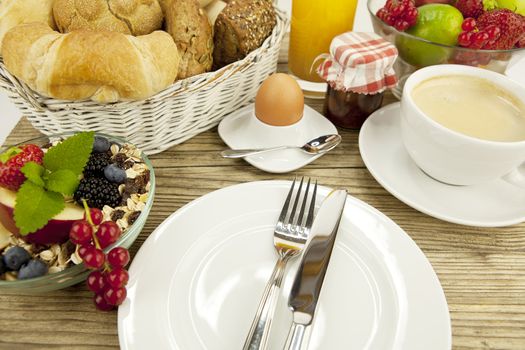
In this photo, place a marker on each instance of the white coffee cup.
(452, 157)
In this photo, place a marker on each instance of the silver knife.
(312, 269)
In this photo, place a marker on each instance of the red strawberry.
(14, 159)
(511, 27)
(470, 8)
(521, 43)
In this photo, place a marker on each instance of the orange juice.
(314, 24)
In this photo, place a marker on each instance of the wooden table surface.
(482, 271)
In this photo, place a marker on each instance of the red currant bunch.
(109, 278)
(400, 14)
(474, 38)
(109, 283)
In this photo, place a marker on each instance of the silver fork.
(289, 238)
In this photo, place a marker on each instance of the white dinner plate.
(197, 280)
(493, 204)
(242, 130)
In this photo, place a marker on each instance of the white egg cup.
(265, 135)
(243, 130)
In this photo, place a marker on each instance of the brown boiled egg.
(279, 101)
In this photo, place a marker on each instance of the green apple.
(517, 6)
(438, 23)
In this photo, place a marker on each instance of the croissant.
(101, 66)
(15, 12)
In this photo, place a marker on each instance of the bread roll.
(102, 66)
(136, 17)
(240, 28)
(189, 26)
(15, 12)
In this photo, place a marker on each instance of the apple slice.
(56, 230)
(5, 236)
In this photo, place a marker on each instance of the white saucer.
(197, 280)
(242, 129)
(493, 204)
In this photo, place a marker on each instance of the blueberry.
(16, 257)
(3, 268)
(101, 144)
(34, 268)
(115, 174)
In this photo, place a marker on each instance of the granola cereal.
(133, 194)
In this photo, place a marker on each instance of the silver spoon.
(319, 145)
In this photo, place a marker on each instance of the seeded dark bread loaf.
(15, 12)
(136, 17)
(102, 66)
(189, 26)
(240, 28)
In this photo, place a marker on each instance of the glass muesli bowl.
(415, 52)
(77, 273)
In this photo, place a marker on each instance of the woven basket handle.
(23, 90)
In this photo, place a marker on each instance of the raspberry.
(470, 8)
(401, 14)
(14, 159)
(511, 28)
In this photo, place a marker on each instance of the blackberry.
(96, 164)
(97, 191)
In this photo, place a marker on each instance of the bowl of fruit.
(483, 33)
(70, 206)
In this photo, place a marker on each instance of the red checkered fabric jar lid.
(361, 63)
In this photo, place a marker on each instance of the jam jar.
(358, 71)
(349, 109)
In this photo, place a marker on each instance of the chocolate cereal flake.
(120, 159)
(133, 217)
(117, 214)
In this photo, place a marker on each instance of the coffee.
(472, 106)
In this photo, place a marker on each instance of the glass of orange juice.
(314, 24)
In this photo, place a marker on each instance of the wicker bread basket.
(185, 109)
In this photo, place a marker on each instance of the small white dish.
(493, 204)
(197, 280)
(241, 130)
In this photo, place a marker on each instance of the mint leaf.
(63, 181)
(11, 152)
(35, 207)
(72, 153)
(33, 173)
